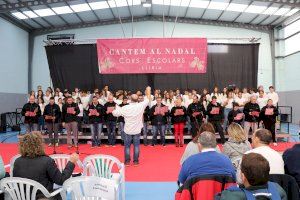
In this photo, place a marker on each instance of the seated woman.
(36, 165)
(192, 147)
(237, 144)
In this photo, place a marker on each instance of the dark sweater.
(268, 118)
(31, 107)
(157, 119)
(93, 118)
(43, 170)
(250, 107)
(291, 158)
(52, 110)
(215, 117)
(109, 117)
(67, 117)
(196, 107)
(232, 114)
(178, 118)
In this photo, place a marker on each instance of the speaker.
(3, 123)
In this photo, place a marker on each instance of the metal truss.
(24, 4)
(264, 28)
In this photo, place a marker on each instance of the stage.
(157, 164)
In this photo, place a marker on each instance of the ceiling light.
(198, 4)
(183, 3)
(217, 5)
(99, 5)
(147, 5)
(293, 11)
(30, 14)
(80, 7)
(236, 7)
(282, 11)
(255, 9)
(270, 11)
(62, 10)
(19, 15)
(44, 12)
(123, 3)
(162, 2)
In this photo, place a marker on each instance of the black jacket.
(215, 117)
(93, 118)
(232, 114)
(43, 170)
(121, 119)
(291, 159)
(158, 119)
(146, 114)
(67, 117)
(52, 110)
(250, 107)
(196, 107)
(109, 117)
(268, 118)
(178, 118)
(34, 107)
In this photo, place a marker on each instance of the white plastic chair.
(102, 166)
(90, 188)
(24, 189)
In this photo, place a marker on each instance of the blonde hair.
(236, 132)
(31, 145)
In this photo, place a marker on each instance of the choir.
(71, 109)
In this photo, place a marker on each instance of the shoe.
(127, 163)
(113, 146)
(50, 144)
(136, 163)
(164, 145)
(275, 144)
(181, 145)
(177, 145)
(152, 145)
(56, 144)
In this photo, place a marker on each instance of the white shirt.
(85, 102)
(187, 102)
(246, 96)
(168, 103)
(133, 116)
(240, 101)
(274, 97)
(229, 104)
(262, 102)
(274, 158)
(47, 99)
(80, 106)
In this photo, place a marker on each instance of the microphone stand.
(54, 135)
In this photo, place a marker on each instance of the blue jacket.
(206, 163)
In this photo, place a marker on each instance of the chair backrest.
(204, 187)
(101, 165)
(288, 183)
(22, 188)
(61, 160)
(12, 162)
(90, 187)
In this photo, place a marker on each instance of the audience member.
(236, 145)
(255, 179)
(208, 162)
(36, 165)
(260, 142)
(291, 159)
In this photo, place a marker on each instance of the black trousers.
(219, 129)
(270, 125)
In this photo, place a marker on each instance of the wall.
(13, 66)
(40, 73)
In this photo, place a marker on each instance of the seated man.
(254, 175)
(207, 162)
(291, 159)
(260, 142)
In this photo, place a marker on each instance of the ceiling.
(50, 15)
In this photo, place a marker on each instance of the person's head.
(110, 98)
(121, 96)
(51, 101)
(178, 102)
(253, 99)
(261, 137)
(158, 100)
(194, 92)
(31, 145)
(195, 99)
(235, 106)
(134, 98)
(214, 100)
(260, 88)
(78, 100)
(270, 102)
(40, 101)
(167, 95)
(69, 100)
(105, 88)
(261, 93)
(204, 127)
(224, 90)
(236, 90)
(95, 100)
(255, 170)
(240, 94)
(60, 100)
(205, 91)
(236, 133)
(207, 140)
(125, 100)
(245, 90)
(141, 98)
(271, 89)
(48, 93)
(39, 87)
(230, 95)
(40, 93)
(216, 89)
(32, 93)
(31, 99)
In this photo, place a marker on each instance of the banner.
(152, 55)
